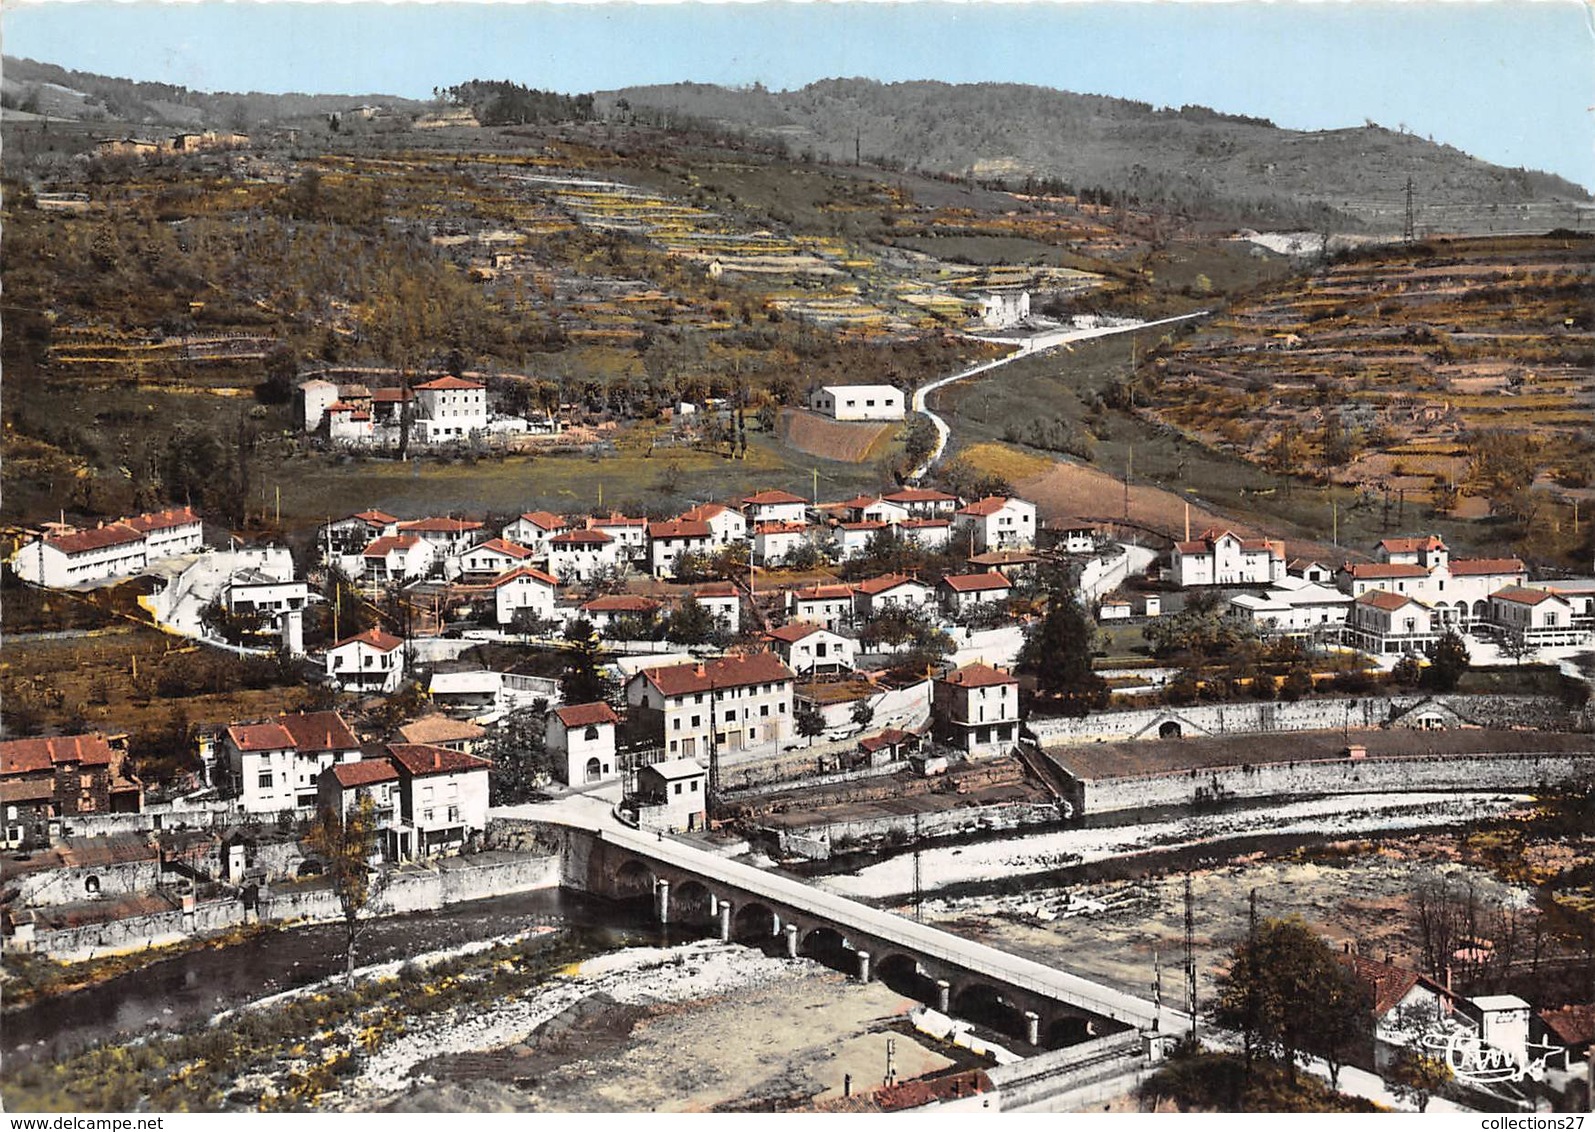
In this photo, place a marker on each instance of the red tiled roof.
(343, 407)
(586, 715)
(974, 583)
(1361, 570)
(504, 547)
(112, 534)
(865, 525)
(772, 497)
(163, 520)
(20, 756)
(441, 525)
(621, 603)
(773, 528)
(987, 506)
(547, 520)
(376, 518)
(679, 528)
(1411, 545)
(979, 676)
(1472, 567)
(27, 790)
(1522, 595)
(919, 495)
(524, 572)
(387, 544)
(421, 759)
(823, 592)
(260, 737)
(734, 671)
(1386, 983)
(440, 729)
(918, 523)
(319, 731)
(1195, 546)
(1573, 1026)
(717, 589)
(376, 638)
(449, 381)
(615, 521)
(365, 772)
(398, 396)
(581, 538)
(886, 582)
(888, 738)
(795, 631)
(1385, 600)
(703, 512)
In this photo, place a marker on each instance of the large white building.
(1294, 607)
(450, 408)
(997, 522)
(859, 402)
(732, 703)
(580, 556)
(443, 795)
(669, 540)
(976, 709)
(525, 587)
(114, 550)
(1458, 589)
(273, 765)
(1223, 558)
(372, 661)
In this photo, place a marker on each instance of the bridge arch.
(985, 1005)
(633, 879)
(1068, 1030)
(691, 902)
(904, 974)
(828, 946)
(754, 923)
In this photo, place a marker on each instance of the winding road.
(1037, 345)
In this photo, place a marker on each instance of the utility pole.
(1190, 959)
(1409, 227)
(919, 892)
(1129, 463)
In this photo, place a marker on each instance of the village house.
(724, 604)
(350, 424)
(494, 557)
(934, 535)
(450, 538)
(257, 593)
(924, 502)
(1223, 558)
(1406, 1005)
(1014, 564)
(774, 543)
(630, 535)
(315, 397)
(352, 534)
(726, 526)
(1534, 617)
(960, 593)
(396, 558)
(853, 539)
(442, 731)
(451, 408)
(443, 796)
(828, 604)
(274, 765)
(775, 507)
(341, 788)
(534, 529)
(668, 541)
(1310, 570)
(889, 591)
(580, 739)
(1294, 608)
(44, 780)
(1071, 537)
(997, 522)
(1383, 622)
(526, 588)
(372, 661)
(1001, 309)
(859, 402)
(672, 796)
(120, 549)
(581, 556)
(387, 408)
(809, 649)
(603, 611)
(731, 703)
(976, 709)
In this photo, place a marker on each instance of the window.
(675, 725)
(591, 734)
(678, 788)
(697, 721)
(454, 813)
(694, 785)
(264, 781)
(764, 710)
(731, 716)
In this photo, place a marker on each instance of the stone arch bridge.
(1034, 1003)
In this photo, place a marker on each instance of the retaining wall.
(1340, 776)
(817, 844)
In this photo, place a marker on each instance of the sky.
(1511, 81)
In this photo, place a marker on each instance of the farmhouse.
(723, 602)
(396, 558)
(859, 402)
(725, 525)
(774, 543)
(889, 591)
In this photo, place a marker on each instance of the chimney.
(437, 760)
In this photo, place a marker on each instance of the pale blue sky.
(1509, 81)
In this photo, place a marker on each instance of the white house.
(342, 788)
(823, 604)
(1223, 558)
(732, 703)
(1383, 622)
(929, 534)
(672, 796)
(494, 557)
(997, 522)
(1311, 570)
(1459, 589)
(397, 558)
(976, 709)
(580, 556)
(773, 543)
(315, 396)
(1535, 617)
(254, 592)
(353, 533)
(775, 507)
(1293, 608)
(859, 402)
(724, 604)
(273, 765)
(350, 423)
(1075, 538)
(525, 587)
(581, 740)
(924, 502)
(449, 537)
(853, 539)
(534, 529)
(451, 408)
(603, 611)
(890, 591)
(809, 649)
(726, 525)
(443, 795)
(630, 535)
(120, 549)
(1004, 308)
(372, 661)
(959, 593)
(669, 540)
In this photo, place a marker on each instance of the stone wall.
(1338, 776)
(1539, 712)
(48, 887)
(818, 844)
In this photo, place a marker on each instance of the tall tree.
(346, 843)
(810, 723)
(1447, 662)
(518, 749)
(582, 681)
(1057, 652)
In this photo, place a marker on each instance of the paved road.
(1039, 345)
(592, 814)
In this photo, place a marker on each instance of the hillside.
(1190, 159)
